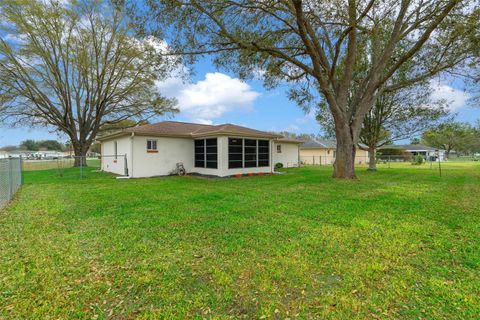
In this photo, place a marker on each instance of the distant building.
(322, 151)
(428, 153)
(32, 155)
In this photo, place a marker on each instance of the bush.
(278, 165)
(417, 160)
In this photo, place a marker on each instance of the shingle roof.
(289, 140)
(324, 144)
(409, 147)
(190, 130)
(319, 144)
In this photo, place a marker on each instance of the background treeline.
(45, 145)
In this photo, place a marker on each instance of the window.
(235, 153)
(206, 153)
(115, 149)
(248, 153)
(211, 153)
(263, 153)
(152, 146)
(279, 148)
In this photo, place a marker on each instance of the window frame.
(206, 150)
(262, 158)
(279, 148)
(152, 142)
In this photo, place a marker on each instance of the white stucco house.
(219, 150)
(428, 153)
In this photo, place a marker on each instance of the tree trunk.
(446, 155)
(344, 166)
(80, 153)
(372, 161)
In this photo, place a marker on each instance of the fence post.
(440, 167)
(10, 178)
(21, 170)
(126, 165)
(81, 167)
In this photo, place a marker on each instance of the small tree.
(76, 67)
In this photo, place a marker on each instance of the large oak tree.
(396, 115)
(76, 67)
(315, 45)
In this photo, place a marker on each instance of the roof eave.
(236, 134)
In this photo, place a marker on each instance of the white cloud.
(292, 128)
(210, 98)
(15, 39)
(454, 98)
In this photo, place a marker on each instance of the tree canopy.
(77, 67)
(33, 145)
(458, 136)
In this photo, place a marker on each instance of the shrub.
(417, 160)
(278, 165)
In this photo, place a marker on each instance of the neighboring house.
(34, 155)
(218, 150)
(323, 152)
(428, 153)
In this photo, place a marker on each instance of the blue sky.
(214, 96)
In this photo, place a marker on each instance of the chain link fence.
(78, 167)
(399, 161)
(319, 160)
(10, 179)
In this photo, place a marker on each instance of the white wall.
(223, 170)
(289, 155)
(170, 151)
(326, 156)
(109, 163)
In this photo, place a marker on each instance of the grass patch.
(398, 243)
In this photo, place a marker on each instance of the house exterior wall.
(170, 151)
(326, 156)
(224, 171)
(289, 155)
(317, 156)
(161, 163)
(116, 165)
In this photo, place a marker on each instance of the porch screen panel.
(200, 153)
(211, 158)
(250, 153)
(235, 153)
(263, 153)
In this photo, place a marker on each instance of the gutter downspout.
(298, 152)
(131, 152)
(272, 166)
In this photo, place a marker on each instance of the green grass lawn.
(398, 243)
